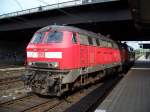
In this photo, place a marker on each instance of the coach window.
(83, 39)
(74, 39)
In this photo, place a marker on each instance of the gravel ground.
(12, 90)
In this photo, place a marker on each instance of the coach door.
(83, 50)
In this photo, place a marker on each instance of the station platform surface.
(132, 93)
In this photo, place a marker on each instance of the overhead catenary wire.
(18, 4)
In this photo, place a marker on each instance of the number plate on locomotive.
(41, 54)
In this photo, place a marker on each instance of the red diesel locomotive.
(60, 58)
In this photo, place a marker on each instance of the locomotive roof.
(73, 29)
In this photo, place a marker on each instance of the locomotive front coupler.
(26, 76)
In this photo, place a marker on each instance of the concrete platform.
(132, 94)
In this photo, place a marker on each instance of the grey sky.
(7, 6)
(135, 44)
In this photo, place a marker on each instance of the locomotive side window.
(94, 41)
(109, 44)
(83, 39)
(104, 43)
(90, 40)
(55, 37)
(97, 41)
(100, 43)
(38, 37)
(74, 39)
(115, 45)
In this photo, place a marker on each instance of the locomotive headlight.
(29, 63)
(54, 64)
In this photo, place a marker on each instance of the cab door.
(83, 50)
(75, 49)
(92, 49)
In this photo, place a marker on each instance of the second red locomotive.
(60, 58)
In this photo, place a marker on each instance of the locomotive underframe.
(56, 82)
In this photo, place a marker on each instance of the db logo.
(41, 55)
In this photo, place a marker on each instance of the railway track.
(30, 103)
(10, 85)
(33, 103)
(6, 81)
(9, 77)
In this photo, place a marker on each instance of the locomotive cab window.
(74, 39)
(55, 37)
(38, 37)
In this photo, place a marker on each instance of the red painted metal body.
(73, 55)
(60, 56)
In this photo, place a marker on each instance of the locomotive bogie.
(55, 83)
